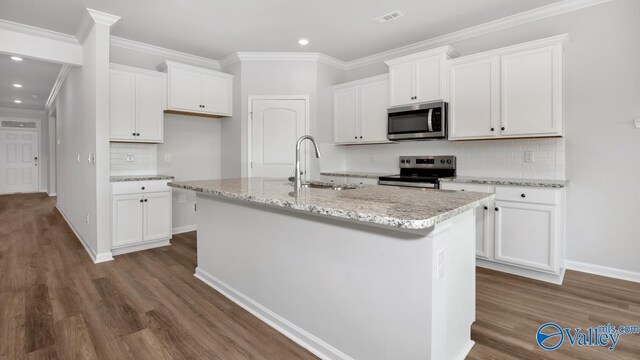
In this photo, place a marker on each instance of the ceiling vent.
(388, 17)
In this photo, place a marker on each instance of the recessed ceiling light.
(303, 42)
(16, 58)
(17, 85)
(35, 96)
(17, 101)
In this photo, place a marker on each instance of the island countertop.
(397, 207)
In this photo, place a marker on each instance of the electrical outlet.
(374, 158)
(440, 264)
(78, 158)
(130, 157)
(529, 157)
(167, 157)
(86, 217)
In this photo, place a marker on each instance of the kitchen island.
(372, 272)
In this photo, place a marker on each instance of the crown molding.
(282, 56)
(524, 17)
(94, 17)
(165, 53)
(62, 76)
(34, 31)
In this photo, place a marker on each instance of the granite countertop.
(140, 178)
(356, 174)
(508, 182)
(397, 207)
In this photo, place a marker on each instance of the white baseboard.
(303, 338)
(603, 271)
(184, 229)
(140, 247)
(52, 194)
(96, 258)
(531, 274)
(465, 351)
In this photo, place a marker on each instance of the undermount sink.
(328, 186)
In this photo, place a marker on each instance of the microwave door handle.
(430, 120)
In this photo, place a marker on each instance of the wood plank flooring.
(56, 304)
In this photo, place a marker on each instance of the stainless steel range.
(421, 171)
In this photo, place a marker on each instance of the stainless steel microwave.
(424, 121)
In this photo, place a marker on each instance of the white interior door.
(276, 125)
(18, 161)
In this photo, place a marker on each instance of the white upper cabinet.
(512, 92)
(198, 91)
(137, 99)
(360, 111)
(346, 115)
(532, 92)
(474, 108)
(420, 77)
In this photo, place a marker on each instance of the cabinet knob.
(486, 208)
(141, 200)
(143, 188)
(493, 129)
(134, 134)
(355, 137)
(502, 128)
(360, 137)
(145, 200)
(497, 209)
(523, 195)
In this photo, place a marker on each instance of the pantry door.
(275, 126)
(18, 161)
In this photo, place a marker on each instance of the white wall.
(40, 118)
(602, 80)
(82, 109)
(194, 145)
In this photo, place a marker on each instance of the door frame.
(306, 99)
(37, 131)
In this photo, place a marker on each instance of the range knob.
(442, 161)
(402, 161)
(448, 161)
(408, 161)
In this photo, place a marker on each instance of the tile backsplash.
(497, 158)
(144, 159)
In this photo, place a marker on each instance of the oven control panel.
(428, 162)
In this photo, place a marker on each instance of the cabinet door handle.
(493, 129)
(502, 128)
(523, 195)
(497, 209)
(486, 208)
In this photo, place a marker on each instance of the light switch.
(130, 157)
(441, 264)
(637, 123)
(167, 157)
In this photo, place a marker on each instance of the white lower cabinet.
(141, 216)
(522, 232)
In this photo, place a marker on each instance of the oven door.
(420, 121)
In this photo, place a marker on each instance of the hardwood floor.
(56, 304)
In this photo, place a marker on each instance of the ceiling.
(36, 77)
(217, 28)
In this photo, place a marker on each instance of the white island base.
(341, 289)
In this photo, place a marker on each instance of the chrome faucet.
(297, 175)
